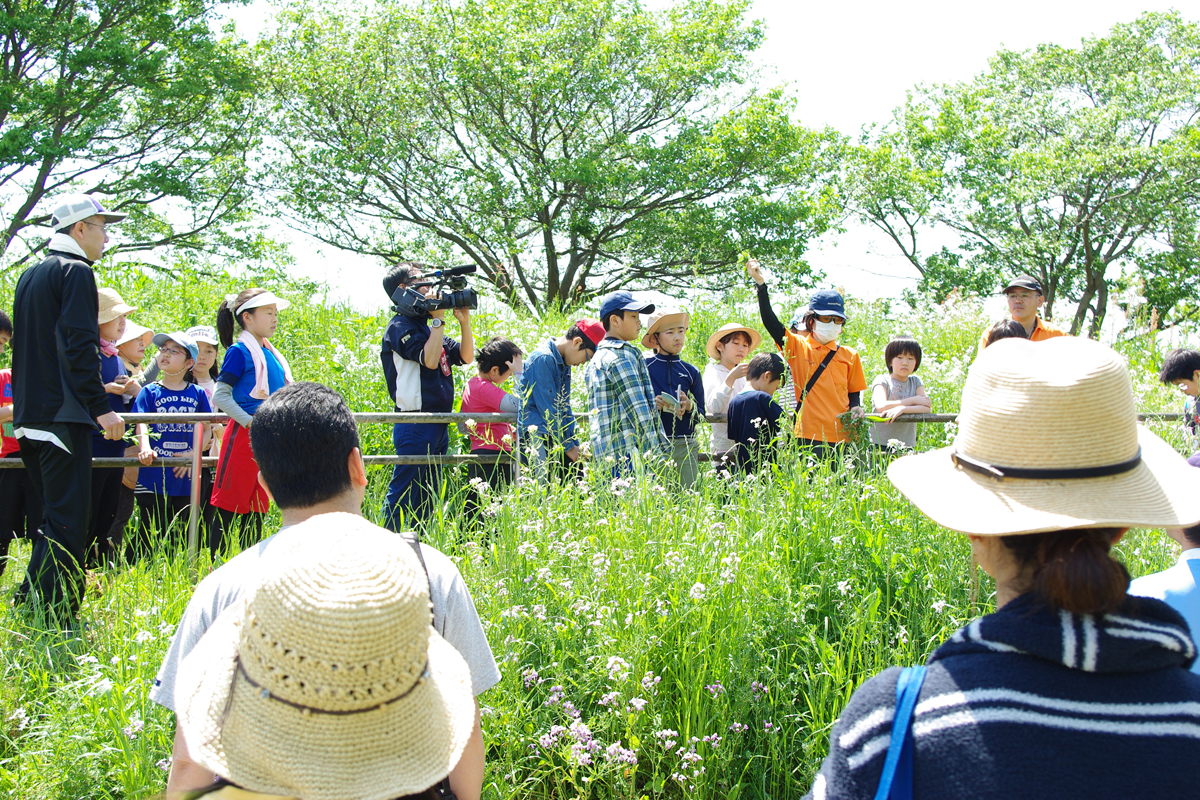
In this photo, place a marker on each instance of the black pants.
(114, 541)
(20, 508)
(162, 525)
(496, 476)
(106, 497)
(64, 482)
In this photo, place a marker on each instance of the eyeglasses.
(828, 318)
(99, 225)
(171, 351)
(1021, 295)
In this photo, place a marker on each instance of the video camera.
(411, 303)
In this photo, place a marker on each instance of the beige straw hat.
(327, 682)
(1048, 440)
(664, 318)
(111, 305)
(726, 329)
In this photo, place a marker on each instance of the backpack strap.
(414, 541)
(896, 782)
(812, 381)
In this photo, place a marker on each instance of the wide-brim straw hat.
(327, 681)
(661, 319)
(1048, 440)
(111, 305)
(726, 329)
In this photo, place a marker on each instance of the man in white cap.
(59, 398)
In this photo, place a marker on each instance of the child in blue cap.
(625, 422)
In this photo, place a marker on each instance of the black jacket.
(56, 344)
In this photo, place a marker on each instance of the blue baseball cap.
(180, 338)
(827, 301)
(622, 301)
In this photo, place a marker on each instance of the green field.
(710, 636)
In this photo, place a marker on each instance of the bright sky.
(848, 64)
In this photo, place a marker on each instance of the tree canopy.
(1079, 166)
(564, 148)
(137, 100)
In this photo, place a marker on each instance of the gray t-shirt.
(896, 390)
(454, 615)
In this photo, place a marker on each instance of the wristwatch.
(437, 323)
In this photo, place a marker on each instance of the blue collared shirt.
(545, 392)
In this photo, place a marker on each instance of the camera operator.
(417, 356)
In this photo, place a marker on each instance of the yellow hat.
(726, 329)
(664, 318)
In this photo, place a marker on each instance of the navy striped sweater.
(1039, 703)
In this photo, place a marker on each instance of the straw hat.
(661, 319)
(111, 305)
(327, 682)
(723, 331)
(1048, 440)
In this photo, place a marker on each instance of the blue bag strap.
(908, 687)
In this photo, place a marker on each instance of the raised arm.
(769, 320)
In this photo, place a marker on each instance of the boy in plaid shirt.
(625, 421)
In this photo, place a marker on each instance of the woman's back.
(1036, 702)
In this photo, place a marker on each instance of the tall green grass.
(652, 643)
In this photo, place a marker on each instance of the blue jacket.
(671, 374)
(412, 385)
(545, 392)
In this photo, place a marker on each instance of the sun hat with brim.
(1048, 440)
(78, 207)
(327, 680)
(258, 301)
(662, 319)
(135, 331)
(111, 305)
(726, 329)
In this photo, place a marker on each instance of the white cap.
(78, 207)
(135, 331)
(258, 301)
(204, 333)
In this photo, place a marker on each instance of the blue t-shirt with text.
(172, 438)
(237, 370)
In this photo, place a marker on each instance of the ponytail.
(1073, 568)
(225, 315)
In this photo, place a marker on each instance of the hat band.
(1000, 473)
(265, 694)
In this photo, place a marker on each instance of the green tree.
(137, 100)
(564, 148)
(1064, 163)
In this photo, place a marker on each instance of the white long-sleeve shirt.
(717, 395)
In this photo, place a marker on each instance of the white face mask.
(827, 331)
